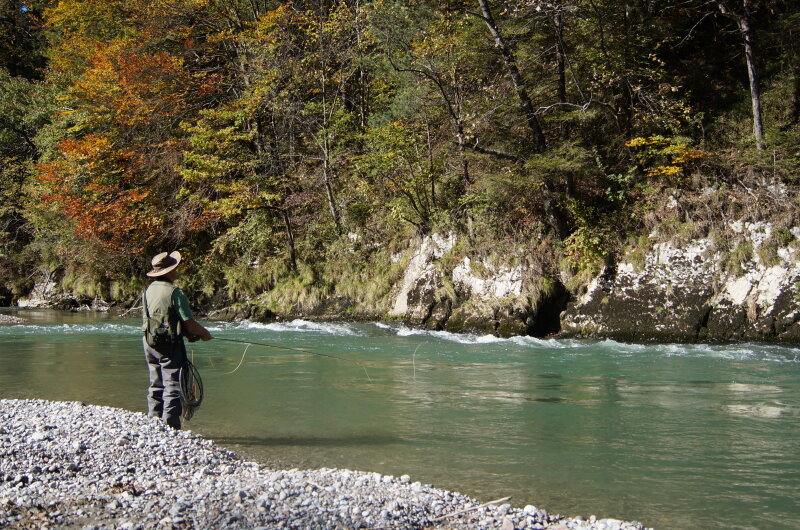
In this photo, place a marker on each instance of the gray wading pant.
(164, 394)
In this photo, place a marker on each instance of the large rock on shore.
(75, 465)
(46, 293)
(691, 292)
(474, 295)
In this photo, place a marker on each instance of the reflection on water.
(677, 436)
(311, 441)
(761, 389)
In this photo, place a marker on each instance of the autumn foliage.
(115, 170)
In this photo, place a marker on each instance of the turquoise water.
(675, 436)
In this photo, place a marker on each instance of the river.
(674, 436)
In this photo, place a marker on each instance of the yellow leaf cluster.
(666, 157)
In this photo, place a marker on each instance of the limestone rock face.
(244, 311)
(500, 284)
(472, 296)
(43, 294)
(46, 294)
(685, 293)
(417, 298)
(681, 292)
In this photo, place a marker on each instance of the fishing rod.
(300, 350)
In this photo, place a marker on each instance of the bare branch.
(492, 152)
(689, 35)
(435, 79)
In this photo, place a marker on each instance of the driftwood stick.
(132, 308)
(485, 504)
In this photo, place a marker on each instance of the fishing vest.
(160, 321)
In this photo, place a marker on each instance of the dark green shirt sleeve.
(181, 303)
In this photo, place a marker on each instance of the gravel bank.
(83, 466)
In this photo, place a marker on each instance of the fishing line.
(300, 350)
(413, 362)
(240, 361)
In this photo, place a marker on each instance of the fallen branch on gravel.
(478, 507)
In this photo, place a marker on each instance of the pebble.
(114, 468)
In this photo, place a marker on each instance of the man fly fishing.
(166, 320)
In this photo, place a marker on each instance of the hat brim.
(161, 272)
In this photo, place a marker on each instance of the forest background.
(292, 150)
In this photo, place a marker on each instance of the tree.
(131, 73)
(25, 107)
(743, 20)
(225, 173)
(397, 171)
(22, 43)
(537, 136)
(436, 51)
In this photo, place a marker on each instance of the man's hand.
(195, 331)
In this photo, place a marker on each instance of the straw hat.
(163, 263)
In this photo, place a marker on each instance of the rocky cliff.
(685, 292)
(692, 293)
(475, 295)
(681, 292)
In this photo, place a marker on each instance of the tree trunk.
(326, 178)
(539, 144)
(743, 21)
(560, 58)
(794, 113)
(363, 111)
(326, 170)
(794, 54)
(431, 171)
(561, 66)
(558, 221)
(462, 153)
(755, 94)
(794, 68)
(461, 135)
(290, 240)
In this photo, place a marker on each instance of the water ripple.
(69, 329)
(338, 329)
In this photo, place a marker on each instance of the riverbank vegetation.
(296, 147)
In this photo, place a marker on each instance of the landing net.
(191, 389)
